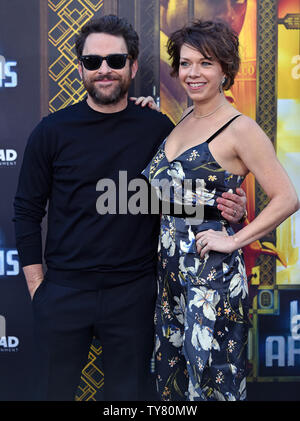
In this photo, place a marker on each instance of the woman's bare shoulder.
(248, 137)
(245, 123)
(245, 128)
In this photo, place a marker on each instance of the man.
(100, 278)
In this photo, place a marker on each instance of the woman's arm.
(231, 205)
(257, 153)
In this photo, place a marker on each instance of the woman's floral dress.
(202, 307)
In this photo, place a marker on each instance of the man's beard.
(98, 95)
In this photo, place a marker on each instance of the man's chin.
(107, 100)
(110, 99)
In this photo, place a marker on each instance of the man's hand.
(143, 101)
(233, 206)
(34, 276)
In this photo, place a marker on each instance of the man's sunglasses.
(114, 61)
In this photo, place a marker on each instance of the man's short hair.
(112, 25)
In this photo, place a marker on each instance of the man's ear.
(134, 68)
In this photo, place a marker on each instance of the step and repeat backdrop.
(38, 75)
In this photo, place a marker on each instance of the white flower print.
(215, 345)
(242, 389)
(219, 377)
(193, 155)
(157, 343)
(175, 337)
(200, 364)
(159, 245)
(206, 298)
(173, 361)
(209, 197)
(189, 273)
(230, 396)
(201, 196)
(176, 172)
(233, 368)
(225, 268)
(191, 269)
(192, 391)
(231, 345)
(167, 241)
(212, 275)
(188, 246)
(179, 309)
(177, 181)
(202, 337)
(238, 283)
(194, 197)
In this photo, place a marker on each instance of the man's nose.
(104, 68)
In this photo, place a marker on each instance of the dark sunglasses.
(114, 61)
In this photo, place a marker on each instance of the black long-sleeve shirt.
(65, 157)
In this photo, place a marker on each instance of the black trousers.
(66, 320)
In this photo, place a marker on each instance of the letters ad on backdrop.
(38, 75)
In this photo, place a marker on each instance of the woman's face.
(199, 76)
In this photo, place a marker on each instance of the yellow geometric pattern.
(69, 17)
(92, 378)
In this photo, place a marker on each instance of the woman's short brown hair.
(211, 39)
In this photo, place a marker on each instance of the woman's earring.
(222, 84)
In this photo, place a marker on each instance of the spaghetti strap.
(185, 116)
(222, 128)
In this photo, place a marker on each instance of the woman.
(202, 309)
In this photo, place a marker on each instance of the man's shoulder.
(66, 113)
(51, 124)
(146, 114)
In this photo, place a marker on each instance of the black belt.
(188, 211)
